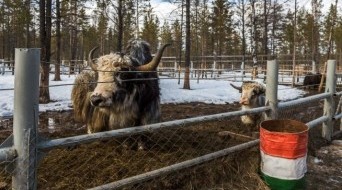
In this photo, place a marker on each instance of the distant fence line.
(304, 63)
(22, 154)
(201, 67)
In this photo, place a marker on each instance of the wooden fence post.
(329, 105)
(272, 89)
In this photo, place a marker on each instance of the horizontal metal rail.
(338, 116)
(49, 144)
(284, 105)
(338, 93)
(189, 163)
(186, 164)
(317, 121)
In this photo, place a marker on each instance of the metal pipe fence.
(22, 154)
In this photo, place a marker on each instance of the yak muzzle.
(97, 100)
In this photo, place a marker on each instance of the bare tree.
(265, 28)
(241, 7)
(73, 37)
(315, 33)
(254, 40)
(120, 26)
(58, 42)
(294, 44)
(27, 24)
(187, 46)
(45, 43)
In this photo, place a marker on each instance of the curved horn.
(236, 87)
(155, 61)
(90, 59)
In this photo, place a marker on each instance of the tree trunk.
(331, 31)
(27, 24)
(58, 42)
(265, 29)
(180, 43)
(120, 26)
(294, 45)
(73, 40)
(45, 40)
(254, 42)
(243, 39)
(273, 29)
(187, 47)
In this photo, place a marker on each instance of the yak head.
(251, 92)
(116, 73)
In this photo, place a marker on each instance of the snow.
(317, 160)
(207, 91)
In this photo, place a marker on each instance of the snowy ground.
(207, 91)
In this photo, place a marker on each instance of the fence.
(223, 67)
(23, 152)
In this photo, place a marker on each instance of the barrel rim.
(284, 120)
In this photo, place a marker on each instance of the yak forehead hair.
(256, 86)
(139, 51)
(113, 60)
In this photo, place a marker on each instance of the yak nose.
(244, 101)
(96, 100)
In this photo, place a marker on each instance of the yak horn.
(155, 61)
(236, 87)
(90, 59)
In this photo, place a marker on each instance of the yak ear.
(236, 87)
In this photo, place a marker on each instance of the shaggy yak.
(312, 80)
(121, 90)
(252, 96)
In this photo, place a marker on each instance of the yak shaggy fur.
(252, 96)
(130, 102)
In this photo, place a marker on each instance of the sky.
(207, 91)
(164, 9)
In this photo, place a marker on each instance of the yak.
(252, 96)
(312, 80)
(121, 89)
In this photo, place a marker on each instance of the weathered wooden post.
(329, 105)
(25, 121)
(272, 89)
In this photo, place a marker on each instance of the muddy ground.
(102, 162)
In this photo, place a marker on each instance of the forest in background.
(67, 30)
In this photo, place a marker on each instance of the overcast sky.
(166, 10)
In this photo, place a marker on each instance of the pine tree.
(166, 37)
(102, 25)
(177, 38)
(328, 30)
(150, 29)
(221, 25)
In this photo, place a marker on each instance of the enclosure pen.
(21, 154)
(69, 141)
(178, 166)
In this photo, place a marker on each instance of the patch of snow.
(208, 91)
(317, 160)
